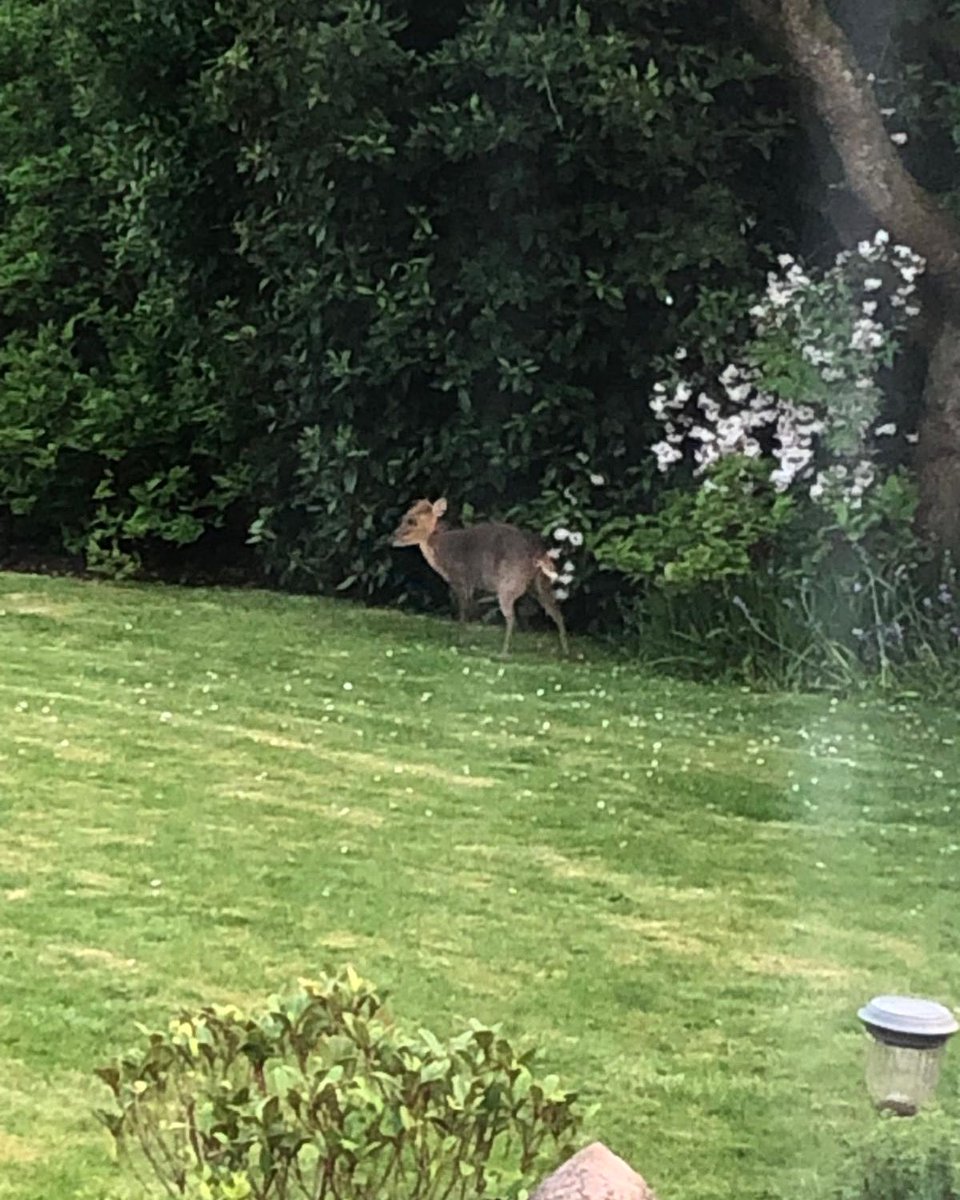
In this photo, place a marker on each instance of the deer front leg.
(464, 601)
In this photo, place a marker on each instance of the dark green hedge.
(285, 264)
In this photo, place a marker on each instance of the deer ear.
(439, 507)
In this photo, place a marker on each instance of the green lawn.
(683, 893)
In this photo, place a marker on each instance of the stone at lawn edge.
(594, 1173)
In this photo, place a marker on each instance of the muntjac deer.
(496, 558)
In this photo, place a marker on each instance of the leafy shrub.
(918, 1159)
(319, 1095)
(116, 427)
(720, 531)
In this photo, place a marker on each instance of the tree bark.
(819, 53)
(938, 453)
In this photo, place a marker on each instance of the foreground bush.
(917, 1159)
(319, 1095)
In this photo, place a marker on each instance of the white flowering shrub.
(805, 392)
(788, 536)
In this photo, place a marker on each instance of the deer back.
(485, 557)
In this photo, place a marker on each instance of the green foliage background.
(280, 267)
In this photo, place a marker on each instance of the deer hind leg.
(543, 592)
(508, 595)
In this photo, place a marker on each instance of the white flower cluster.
(715, 435)
(843, 484)
(568, 535)
(564, 579)
(840, 326)
(781, 290)
(787, 292)
(905, 264)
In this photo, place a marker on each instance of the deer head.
(419, 522)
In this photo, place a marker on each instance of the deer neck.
(430, 548)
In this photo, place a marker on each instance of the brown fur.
(492, 557)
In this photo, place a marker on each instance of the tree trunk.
(938, 452)
(820, 54)
(844, 99)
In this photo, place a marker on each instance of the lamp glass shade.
(901, 1079)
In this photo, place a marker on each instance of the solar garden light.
(908, 1038)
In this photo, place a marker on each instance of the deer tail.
(549, 568)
